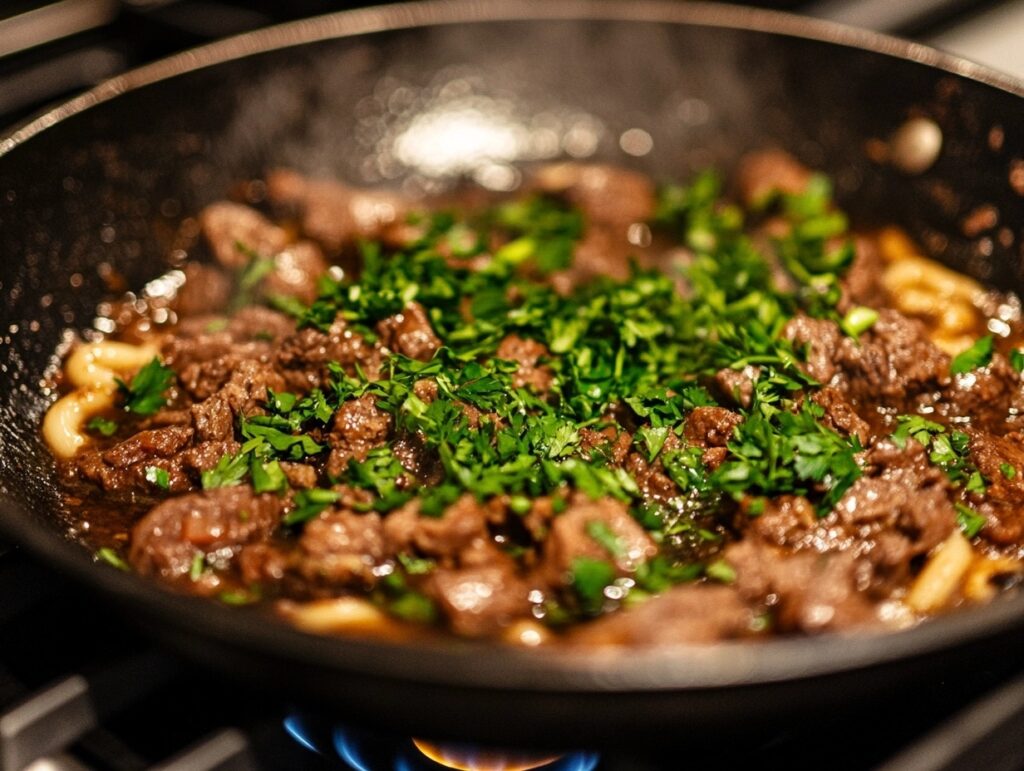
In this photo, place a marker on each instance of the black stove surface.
(81, 689)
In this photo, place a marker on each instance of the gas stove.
(80, 689)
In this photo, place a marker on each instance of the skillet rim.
(478, 665)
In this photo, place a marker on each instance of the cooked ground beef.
(488, 419)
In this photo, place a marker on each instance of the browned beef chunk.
(159, 443)
(764, 172)
(985, 395)
(255, 322)
(569, 538)
(261, 563)
(650, 477)
(303, 357)
(301, 476)
(605, 194)
(205, 350)
(296, 271)
(214, 523)
(710, 427)
(900, 508)
(462, 526)
(225, 225)
(840, 415)
(527, 354)
(787, 520)
(609, 443)
(893, 363)
(246, 390)
(206, 290)
(481, 600)
(418, 458)
(358, 426)
(737, 384)
(409, 333)
(862, 280)
(205, 455)
(341, 547)
(808, 592)
(333, 214)
(124, 466)
(611, 199)
(1001, 462)
(213, 418)
(685, 614)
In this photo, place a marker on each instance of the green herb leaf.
(859, 320)
(230, 470)
(1017, 359)
(978, 355)
(588, 578)
(601, 533)
(112, 558)
(147, 392)
(721, 571)
(968, 520)
(267, 477)
(195, 571)
(309, 503)
(158, 477)
(102, 426)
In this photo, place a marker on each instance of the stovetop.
(81, 689)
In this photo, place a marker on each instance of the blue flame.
(293, 725)
(580, 761)
(348, 751)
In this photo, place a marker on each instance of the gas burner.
(363, 750)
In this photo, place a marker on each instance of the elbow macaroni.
(65, 420)
(97, 364)
(92, 369)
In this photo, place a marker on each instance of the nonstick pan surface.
(405, 95)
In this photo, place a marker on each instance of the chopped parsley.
(309, 503)
(968, 520)
(158, 477)
(197, 567)
(721, 571)
(147, 392)
(102, 426)
(589, 577)
(859, 320)
(948, 449)
(112, 558)
(1017, 359)
(978, 355)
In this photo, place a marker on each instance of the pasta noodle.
(97, 364)
(922, 287)
(342, 614)
(64, 421)
(942, 575)
(978, 586)
(92, 368)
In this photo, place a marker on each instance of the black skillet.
(397, 94)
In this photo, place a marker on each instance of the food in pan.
(592, 412)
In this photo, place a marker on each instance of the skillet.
(397, 96)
